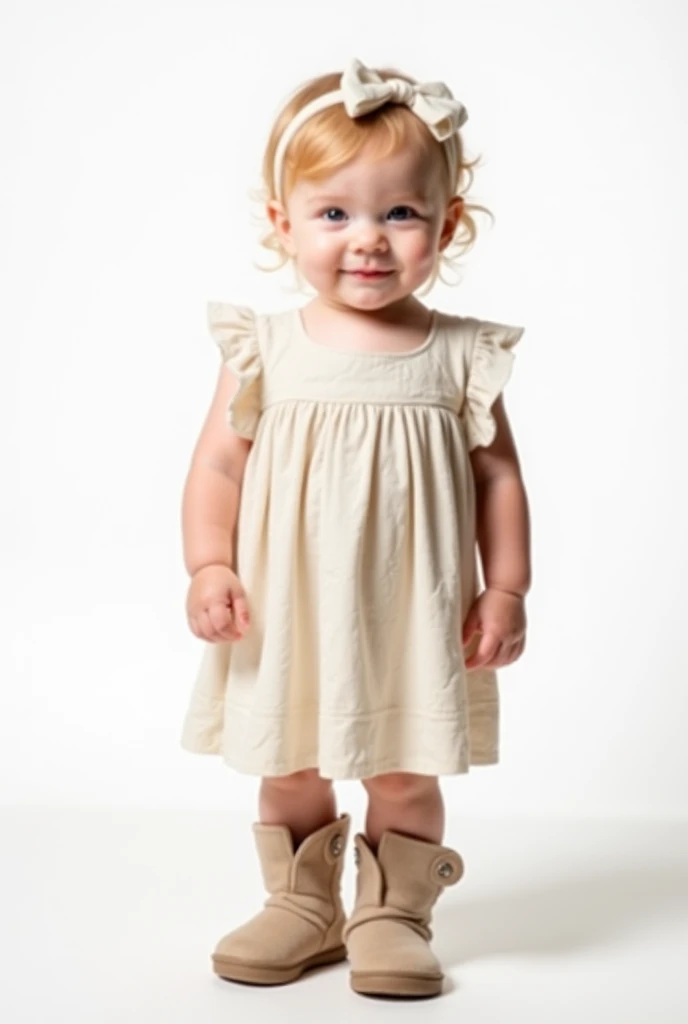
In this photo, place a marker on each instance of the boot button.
(337, 845)
(357, 856)
(445, 869)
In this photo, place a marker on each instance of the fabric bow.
(363, 90)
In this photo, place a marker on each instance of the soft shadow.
(582, 908)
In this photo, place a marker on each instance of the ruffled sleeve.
(235, 332)
(489, 370)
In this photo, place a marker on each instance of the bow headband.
(362, 90)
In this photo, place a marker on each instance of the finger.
(470, 626)
(494, 660)
(241, 616)
(520, 647)
(210, 631)
(223, 622)
(505, 655)
(515, 651)
(205, 625)
(485, 651)
(233, 630)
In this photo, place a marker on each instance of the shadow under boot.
(388, 933)
(301, 924)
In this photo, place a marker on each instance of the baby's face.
(389, 216)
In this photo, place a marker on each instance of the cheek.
(317, 248)
(419, 248)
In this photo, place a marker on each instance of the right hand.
(216, 606)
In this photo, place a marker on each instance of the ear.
(277, 214)
(451, 219)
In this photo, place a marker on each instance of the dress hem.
(341, 771)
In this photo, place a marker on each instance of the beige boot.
(301, 923)
(388, 933)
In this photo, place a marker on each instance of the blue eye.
(337, 210)
(407, 208)
(332, 209)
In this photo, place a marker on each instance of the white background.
(131, 136)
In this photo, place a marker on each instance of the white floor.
(110, 916)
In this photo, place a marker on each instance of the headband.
(362, 90)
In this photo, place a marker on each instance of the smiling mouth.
(369, 273)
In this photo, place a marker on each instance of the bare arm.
(503, 524)
(212, 490)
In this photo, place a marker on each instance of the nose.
(369, 238)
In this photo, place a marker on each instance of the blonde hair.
(330, 139)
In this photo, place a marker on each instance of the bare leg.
(304, 801)
(402, 802)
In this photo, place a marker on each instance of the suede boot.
(301, 923)
(388, 933)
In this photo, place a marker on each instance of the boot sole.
(258, 974)
(404, 985)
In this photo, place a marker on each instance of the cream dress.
(356, 544)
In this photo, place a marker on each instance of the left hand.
(501, 619)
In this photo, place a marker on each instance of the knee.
(304, 781)
(400, 787)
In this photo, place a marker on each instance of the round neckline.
(429, 338)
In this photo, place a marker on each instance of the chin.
(370, 301)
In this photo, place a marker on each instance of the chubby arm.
(212, 489)
(503, 521)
